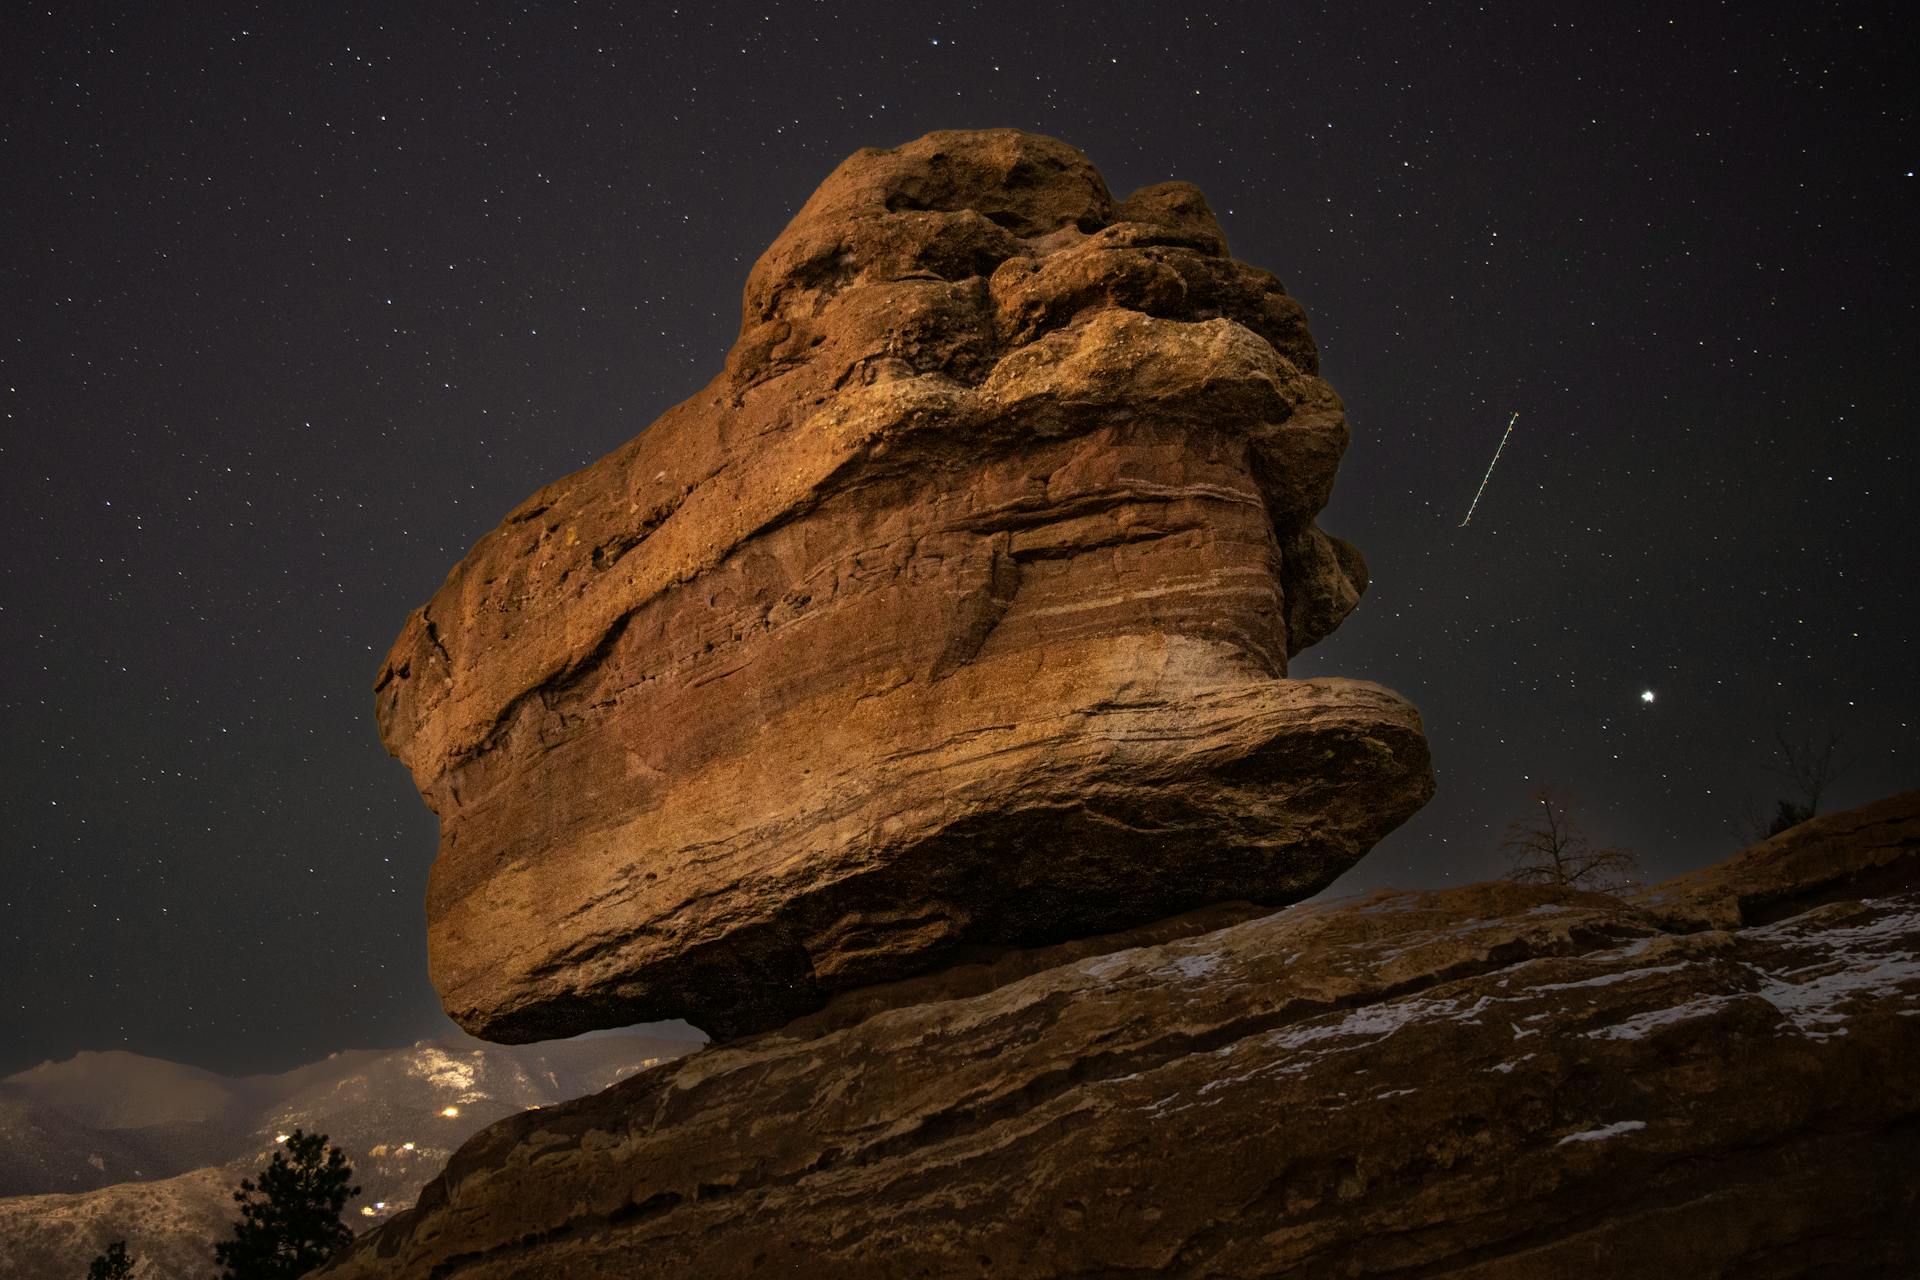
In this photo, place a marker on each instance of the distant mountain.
(108, 1146)
(120, 1090)
(169, 1226)
(42, 1147)
(102, 1118)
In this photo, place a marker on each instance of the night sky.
(299, 303)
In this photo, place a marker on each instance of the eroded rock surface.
(1493, 1081)
(955, 611)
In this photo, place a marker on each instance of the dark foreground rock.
(1718, 1078)
(955, 611)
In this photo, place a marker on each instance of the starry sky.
(300, 300)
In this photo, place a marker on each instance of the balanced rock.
(1500, 1082)
(954, 612)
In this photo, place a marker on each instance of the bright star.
(1646, 695)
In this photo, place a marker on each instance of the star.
(1646, 695)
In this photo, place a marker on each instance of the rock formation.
(1720, 1077)
(955, 612)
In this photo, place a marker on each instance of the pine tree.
(114, 1264)
(290, 1222)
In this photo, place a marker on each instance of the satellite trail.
(1490, 466)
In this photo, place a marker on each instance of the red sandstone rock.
(1499, 1081)
(955, 611)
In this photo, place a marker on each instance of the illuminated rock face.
(956, 610)
(1496, 1082)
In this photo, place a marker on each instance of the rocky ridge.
(1719, 1077)
(955, 612)
(115, 1146)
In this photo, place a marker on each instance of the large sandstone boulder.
(955, 611)
(1498, 1081)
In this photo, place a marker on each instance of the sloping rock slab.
(955, 611)
(1494, 1081)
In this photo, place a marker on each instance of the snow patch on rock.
(1613, 1130)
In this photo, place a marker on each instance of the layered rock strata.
(954, 612)
(1493, 1081)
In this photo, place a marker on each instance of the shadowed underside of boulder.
(955, 611)
(1498, 1081)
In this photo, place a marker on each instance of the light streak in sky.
(1490, 466)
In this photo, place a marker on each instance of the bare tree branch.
(1548, 847)
(1806, 769)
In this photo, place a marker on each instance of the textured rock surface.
(955, 611)
(169, 1226)
(1494, 1081)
